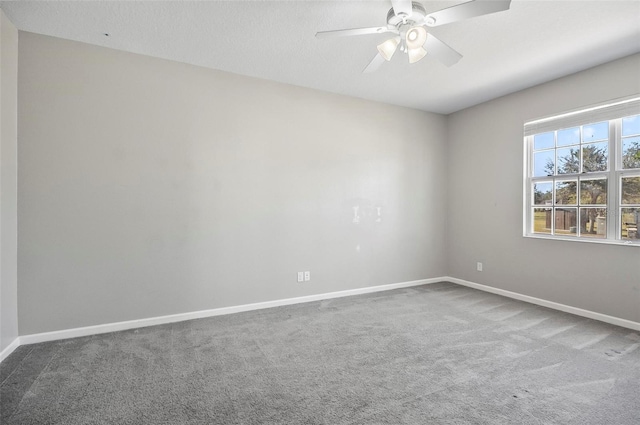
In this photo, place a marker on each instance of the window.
(582, 175)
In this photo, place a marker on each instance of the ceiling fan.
(408, 21)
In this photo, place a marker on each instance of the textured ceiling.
(533, 42)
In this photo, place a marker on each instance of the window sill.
(585, 240)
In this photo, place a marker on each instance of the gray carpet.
(440, 353)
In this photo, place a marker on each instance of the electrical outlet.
(300, 276)
(479, 266)
(307, 276)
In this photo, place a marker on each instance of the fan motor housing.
(418, 13)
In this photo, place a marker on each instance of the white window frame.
(613, 112)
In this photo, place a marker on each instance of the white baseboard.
(152, 321)
(10, 348)
(132, 324)
(550, 304)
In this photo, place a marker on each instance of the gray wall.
(149, 187)
(8, 185)
(485, 157)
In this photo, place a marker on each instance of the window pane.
(630, 219)
(593, 132)
(543, 163)
(543, 141)
(593, 222)
(593, 191)
(595, 157)
(543, 193)
(631, 125)
(565, 221)
(568, 160)
(631, 190)
(542, 220)
(631, 152)
(570, 136)
(566, 192)
(570, 172)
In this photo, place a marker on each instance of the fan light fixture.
(416, 54)
(388, 48)
(415, 39)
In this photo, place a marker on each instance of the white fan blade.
(374, 64)
(466, 11)
(353, 31)
(439, 50)
(402, 6)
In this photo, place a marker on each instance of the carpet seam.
(35, 381)
(17, 366)
(17, 406)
